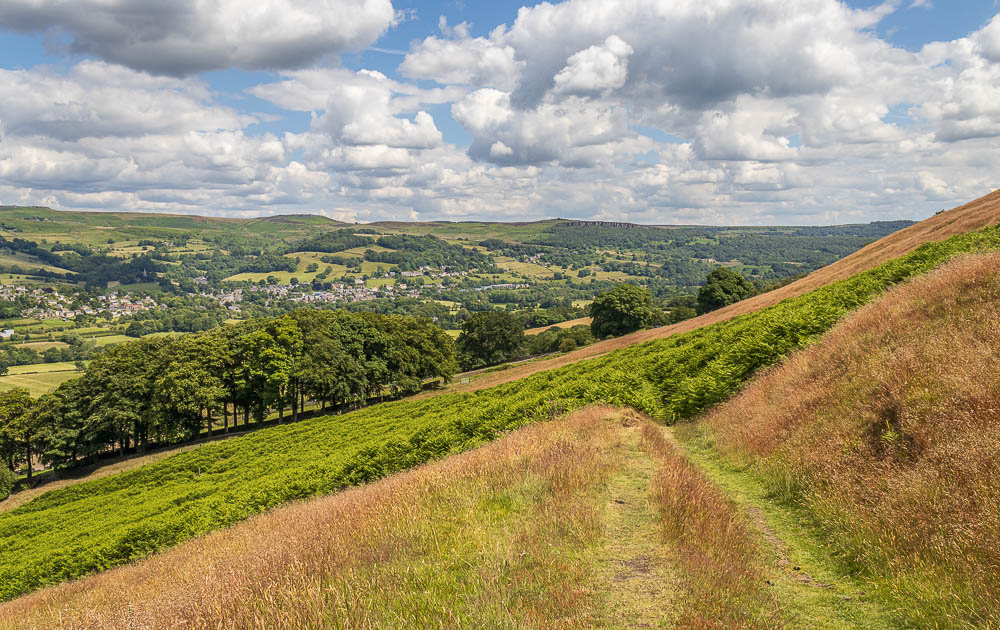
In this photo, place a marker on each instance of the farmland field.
(38, 379)
(41, 346)
(531, 270)
(28, 262)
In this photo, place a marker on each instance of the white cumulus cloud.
(595, 69)
(181, 37)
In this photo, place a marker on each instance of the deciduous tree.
(490, 338)
(18, 426)
(722, 288)
(622, 310)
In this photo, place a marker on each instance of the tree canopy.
(722, 288)
(622, 310)
(490, 338)
(167, 389)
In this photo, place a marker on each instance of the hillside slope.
(100, 524)
(887, 434)
(970, 217)
(595, 520)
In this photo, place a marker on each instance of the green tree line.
(168, 389)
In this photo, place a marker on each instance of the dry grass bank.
(972, 216)
(888, 434)
(489, 538)
(581, 321)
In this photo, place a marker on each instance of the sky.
(723, 112)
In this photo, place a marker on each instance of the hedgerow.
(99, 524)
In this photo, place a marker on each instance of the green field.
(42, 346)
(360, 251)
(103, 523)
(44, 329)
(28, 262)
(108, 340)
(124, 229)
(126, 250)
(284, 277)
(38, 379)
(530, 270)
(40, 368)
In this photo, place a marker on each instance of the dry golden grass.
(723, 574)
(888, 433)
(490, 538)
(584, 321)
(972, 216)
(548, 527)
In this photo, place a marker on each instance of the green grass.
(33, 326)
(284, 277)
(305, 258)
(93, 330)
(109, 340)
(360, 251)
(28, 262)
(529, 269)
(42, 346)
(813, 590)
(216, 485)
(127, 250)
(169, 333)
(40, 368)
(104, 523)
(38, 379)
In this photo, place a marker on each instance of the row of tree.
(167, 389)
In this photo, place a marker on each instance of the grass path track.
(812, 592)
(639, 588)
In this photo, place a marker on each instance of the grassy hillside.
(100, 524)
(887, 435)
(549, 527)
(600, 520)
(93, 228)
(971, 217)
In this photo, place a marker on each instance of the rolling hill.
(97, 227)
(969, 217)
(801, 502)
(886, 436)
(98, 525)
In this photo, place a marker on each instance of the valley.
(664, 478)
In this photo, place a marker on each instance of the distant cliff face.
(617, 224)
